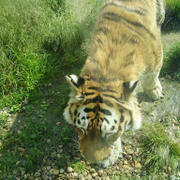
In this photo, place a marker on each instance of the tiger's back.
(126, 41)
(126, 45)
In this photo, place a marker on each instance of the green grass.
(36, 39)
(172, 20)
(171, 64)
(40, 42)
(158, 151)
(79, 166)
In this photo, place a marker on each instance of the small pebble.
(92, 170)
(54, 171)
(173, 177)
(137, 165)
(69, 169)
(81, 177)
(94, 175)
(61, 171)
(100, 172)
(89, 177)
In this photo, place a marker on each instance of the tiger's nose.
(94, 154)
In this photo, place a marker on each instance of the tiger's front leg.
(152, 86)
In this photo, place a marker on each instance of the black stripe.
(105, 111)
(131, 121)
(88, 110)
(111, 96)
(99, 41)
(75, 112)
(117, 18)
(106, 120)
(125, 8)
(122, 119)
(97, 99)
(104, 30)
(89, 93)
(108, 103)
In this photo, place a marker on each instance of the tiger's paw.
(155, 93)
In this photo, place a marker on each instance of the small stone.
(173, 177)
(69, 169)
(58, 123)
(125, 162)
(137, 165)
(130, 151)
(94, 175)
(81, 177)
(92, 170)
(45, 177)
(26, 176)
(89, 177)
(37, 174)
(126, 166)
(20, 149)
(107, 178)
(60, 146)
(60, 150)
(54, 171)
(61, 171)
(85, 173)
(100, 172)
(75, 174)
(37, 178)
(58, 155)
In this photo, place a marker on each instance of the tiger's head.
(100, 114)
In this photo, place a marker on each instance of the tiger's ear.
(74, 81)
(129, 86)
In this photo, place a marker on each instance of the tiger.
(125, 50)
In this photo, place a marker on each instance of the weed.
(3, 119)
(172, 62)
(158, 151)
(79, 166)
(172, 20)
(39, 32)
(62, 162)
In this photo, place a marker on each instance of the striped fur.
(126, 48)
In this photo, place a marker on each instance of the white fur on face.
(82, 121)
(110, 124)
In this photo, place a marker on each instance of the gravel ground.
(130, 165)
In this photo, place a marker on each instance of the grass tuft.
(172, 20)
(34, 34)
(159, 152)
(171, 64)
